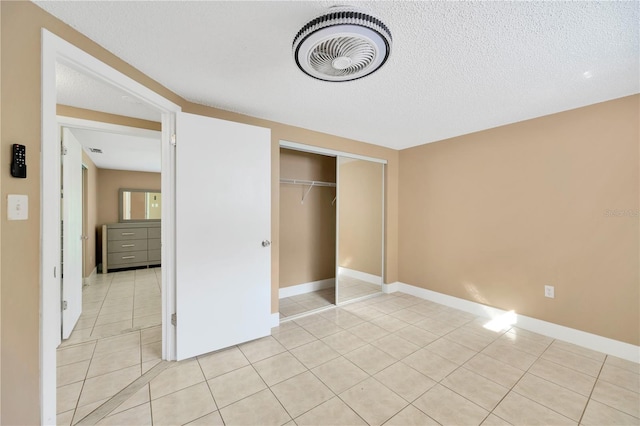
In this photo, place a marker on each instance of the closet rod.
(309, 183)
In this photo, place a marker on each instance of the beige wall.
(360, 215)
(494, 216)
(103, 117)
(307, 231)
(110, 181)
(20, 109)
(90, 200)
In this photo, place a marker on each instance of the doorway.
(125, 299)
(55, 50)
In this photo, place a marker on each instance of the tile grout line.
(95, 344)
(489, 412)
(115, 401)
(584, 410)
(208, 387)
(539, 403)
(84, 381)
(102, 306)
(133, 313)
(150, 404)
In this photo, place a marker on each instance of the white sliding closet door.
(223, 216)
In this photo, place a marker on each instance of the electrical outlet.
(549, 291)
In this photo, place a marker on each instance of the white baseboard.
(370, 278)
(275, 319)
(581, 338)
(390, 288)
(92, 275)
(295, 290)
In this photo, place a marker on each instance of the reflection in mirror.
(139, 205)
(360, 228)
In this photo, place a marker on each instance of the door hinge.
(64, 305)
(173, 139)
(64, 150)
(174, 319)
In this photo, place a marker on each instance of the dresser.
(127, 245)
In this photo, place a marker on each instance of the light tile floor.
(116, 302)
(301, 303)
(349, 289)
(392, 359)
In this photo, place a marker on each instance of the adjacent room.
(355, 213)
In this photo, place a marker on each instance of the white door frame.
(55, 49)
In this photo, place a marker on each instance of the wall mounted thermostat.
(19, 161)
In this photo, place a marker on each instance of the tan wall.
(360, 215)
(1, 224)
(494, 216)
(90, 195)
(110, 181)
(307, 231)
(20, 98)
(19, 279)
(87, 114)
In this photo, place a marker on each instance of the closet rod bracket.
(306, 193)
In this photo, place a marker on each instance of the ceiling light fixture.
(343, 44)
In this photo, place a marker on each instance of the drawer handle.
(128, 233)
(128, 245)
(128, 257)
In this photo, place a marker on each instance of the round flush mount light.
(343, 44)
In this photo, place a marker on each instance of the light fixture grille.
(341, 45)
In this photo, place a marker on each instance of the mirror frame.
(120, 193)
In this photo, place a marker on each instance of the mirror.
(360, 228)
(139, 205)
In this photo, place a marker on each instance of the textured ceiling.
(77, 89)
(122, 151)
(455, 67)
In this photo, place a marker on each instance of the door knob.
(266, 243)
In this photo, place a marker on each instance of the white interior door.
(223, 215)
(71, 232)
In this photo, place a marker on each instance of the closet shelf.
(309, 183)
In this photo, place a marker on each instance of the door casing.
(55, 49)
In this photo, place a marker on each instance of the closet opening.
(307, 232)
(331, 228)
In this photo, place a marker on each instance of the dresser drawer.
(127, 234)
(154, 256)
(116, 259)
(153, 244)
(154, 232)
(118, 246)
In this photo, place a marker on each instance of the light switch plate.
(17, 207)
